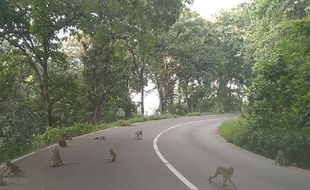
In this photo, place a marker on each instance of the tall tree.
(32, 28)
(277, 45)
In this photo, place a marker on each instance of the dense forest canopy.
(64, 62)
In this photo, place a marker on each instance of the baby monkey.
(14, 169)
(138, 135)
(281, 158)
(100, 138)
(226, 173)
(56, 157)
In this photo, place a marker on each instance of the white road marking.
(169, 166)
(25, 156)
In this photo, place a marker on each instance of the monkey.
(112, 156)
(138, 135)
(226, 173)
(14, 169)
(281, 158)
(100, 138)
(66, 136)
(56, 157)
(62, 142)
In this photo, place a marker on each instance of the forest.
(74, 64)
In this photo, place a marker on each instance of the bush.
(266, 141)
(51, 135)
(234, 131)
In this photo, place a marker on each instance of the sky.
(205, 8)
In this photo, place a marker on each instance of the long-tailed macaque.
(112, 155)
(138, 135)
(100, 138)
(281, 158)
(56, 157)
(66, 136)
(226, 173)
(62, 142)
(13, 168)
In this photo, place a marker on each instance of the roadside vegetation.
(266, 142)
(51, 135)
(75, 65)
(278, 98)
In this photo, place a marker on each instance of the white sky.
(206, 8)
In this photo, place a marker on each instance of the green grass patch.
(194, 114)
(234, 131)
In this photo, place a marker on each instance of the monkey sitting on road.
(66, 136)
(57, 161)
(100, 138)
(112, 155)
(281, 158)
(13, 168)
(138, 135)
(226, 173)
(62, 142)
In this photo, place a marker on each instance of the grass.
(234, 131)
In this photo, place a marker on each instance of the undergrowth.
(266, 141)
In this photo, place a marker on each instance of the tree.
(277, 46)
(32, 27)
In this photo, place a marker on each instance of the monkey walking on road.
(226, 173)
(138, 135)
(13, 169)
(112, 156)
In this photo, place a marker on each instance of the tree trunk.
(97, 104)
(44, 83)
(161, 99)
(142, 98)
(46, 97)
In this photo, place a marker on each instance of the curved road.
(175, 154)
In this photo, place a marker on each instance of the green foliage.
(235, 131)
(194, 114)
(13, 143)
(260, 49)
(280, 87)
(267, 141)
(158, 117)
(51, 135)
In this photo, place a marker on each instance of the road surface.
(175, 154)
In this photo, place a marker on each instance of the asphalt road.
(175, 154)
